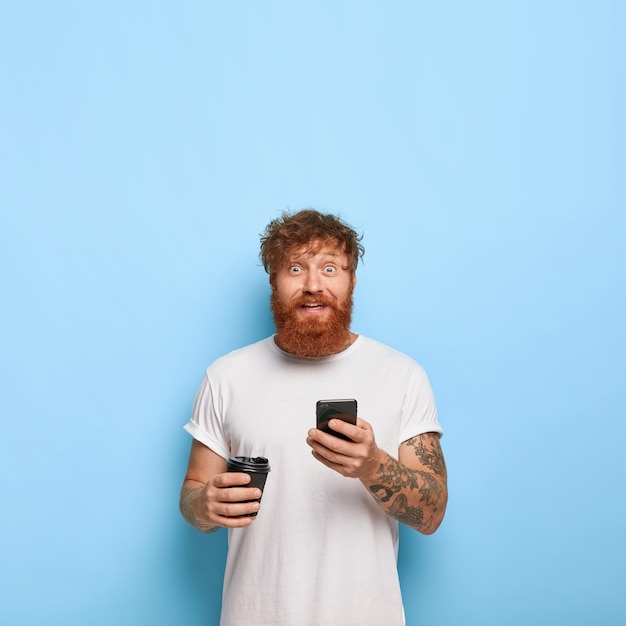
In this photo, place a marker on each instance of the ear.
(353, 280)
(272, 279)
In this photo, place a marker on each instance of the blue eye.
(329, 270)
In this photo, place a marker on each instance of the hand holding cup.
(256, 467)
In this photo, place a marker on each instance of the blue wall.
(480, 147)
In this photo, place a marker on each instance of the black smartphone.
(341, 409)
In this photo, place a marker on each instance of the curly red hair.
(294, 230)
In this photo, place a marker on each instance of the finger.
(238, 494)
(363, 424)
(228, 510)
(319, 440)
(231, 479)
(337, 467)
(234, 521)
(324, 461)
(349, 430)
(335, 454)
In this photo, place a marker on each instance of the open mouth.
(313, 306)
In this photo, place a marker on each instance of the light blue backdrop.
(480, 147)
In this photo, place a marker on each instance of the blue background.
(480, 148)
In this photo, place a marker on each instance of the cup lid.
(249, 464)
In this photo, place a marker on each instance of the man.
(322, 550)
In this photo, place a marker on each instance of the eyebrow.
(301, 260)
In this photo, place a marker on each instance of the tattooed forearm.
(397, 483)
(186, 498)
(416, 497)
(410, 515)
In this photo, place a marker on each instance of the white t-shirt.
(321, 551)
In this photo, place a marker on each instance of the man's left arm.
(412, 489)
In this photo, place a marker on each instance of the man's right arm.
(211, 497)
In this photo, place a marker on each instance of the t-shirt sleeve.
(419, 411)
(206, 423)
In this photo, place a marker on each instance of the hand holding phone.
(344, 410)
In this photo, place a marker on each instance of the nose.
(312, 284)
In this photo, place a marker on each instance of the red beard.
(312, 337)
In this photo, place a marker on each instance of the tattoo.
(428, 451)
(186, 498)
(411, 515)
(395, 481)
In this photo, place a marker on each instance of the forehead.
(316, 247)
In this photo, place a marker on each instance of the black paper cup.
(256, 467)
